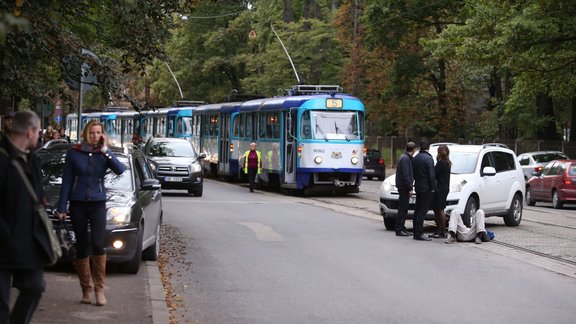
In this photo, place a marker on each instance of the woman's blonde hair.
(87, 129)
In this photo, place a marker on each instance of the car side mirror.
(202, 155)
(151, 184)
(488, 171)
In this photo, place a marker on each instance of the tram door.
(224, 145)
(289, 148)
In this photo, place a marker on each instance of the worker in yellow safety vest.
(252, 164)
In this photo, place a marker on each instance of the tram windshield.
(329, 125)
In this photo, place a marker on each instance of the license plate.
(369, 171)
(173, 179)
(412, 200)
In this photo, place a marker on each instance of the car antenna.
(287, 54)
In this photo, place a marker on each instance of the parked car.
(374, 165)
(532, 162)
(483, 176)
(555, 183)
(134, 205)
(176, 164)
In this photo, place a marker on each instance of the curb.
(160, 313)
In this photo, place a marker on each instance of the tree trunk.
(287, 12)
(546, 110)
(572, 137)
(306, 25)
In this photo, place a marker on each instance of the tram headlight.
(355, 160)
(318, 160)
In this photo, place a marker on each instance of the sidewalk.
(131, 298)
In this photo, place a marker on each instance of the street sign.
(58, 119)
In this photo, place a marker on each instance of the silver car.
(534, 161)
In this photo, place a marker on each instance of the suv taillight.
(381, 161)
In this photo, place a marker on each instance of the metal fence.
(392, 146)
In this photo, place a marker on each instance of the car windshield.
(463, 162)
(547, 157)
(171, 148)
(52, 169)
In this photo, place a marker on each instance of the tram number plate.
(412, 200)
(173, 179)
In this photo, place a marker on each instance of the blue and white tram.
(212, 133)
(310, 141)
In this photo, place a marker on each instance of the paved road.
(265, 257)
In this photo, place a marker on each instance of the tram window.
(262, 125)
(305, 124)
(275, 119)
(235, 126)
(248, 133)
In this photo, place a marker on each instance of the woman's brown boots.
(83, 268)
(90, 270)
(98, 265)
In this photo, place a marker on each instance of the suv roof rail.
(485, 145)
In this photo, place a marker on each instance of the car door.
(551, 180)
(537, 183)
(489, 197)
(505, 164)
(149, 201)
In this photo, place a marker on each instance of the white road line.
(263, 232)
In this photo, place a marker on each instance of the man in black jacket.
(405, 184)
(425, 186)
(22, 257)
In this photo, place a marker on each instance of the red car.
(556, 183)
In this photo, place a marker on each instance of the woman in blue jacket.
(83, 186)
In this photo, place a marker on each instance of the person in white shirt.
(458, 231)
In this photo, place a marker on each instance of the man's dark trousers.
(31, 285)
(423, 201)
(403, 203)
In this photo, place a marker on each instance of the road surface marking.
(263, 232)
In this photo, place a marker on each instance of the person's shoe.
(478, 240)
(422, 238)
(403, 233)
(437, 235)
(450, 240)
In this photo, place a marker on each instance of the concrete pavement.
(131, 298)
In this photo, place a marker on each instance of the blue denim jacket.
(83, 176)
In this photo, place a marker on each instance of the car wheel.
(380, 178)
(196, 192)
(556, 203)
(369, 177)
(151, 253)
(471, 208)
(133, 265)
(514, 215)
(389, 223)
(529, 199)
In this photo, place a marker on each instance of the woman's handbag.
(66, 238)
(54, 251)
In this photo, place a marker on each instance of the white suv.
(483, 176)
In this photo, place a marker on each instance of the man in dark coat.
(22, 237)
(405, 184)
(425, 186)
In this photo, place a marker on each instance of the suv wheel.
(556, 203)
(529, 200)
(471, 208)
(389, 223)
(514, 215)
(196, 192)
(151, 253)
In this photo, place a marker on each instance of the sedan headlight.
(457, 186)
(387, 186)
(195, 167)
(153, 166)
(118, 216)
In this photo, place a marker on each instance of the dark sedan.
(134, 205)
(176, 164)
(555, 183)
(374, 166)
